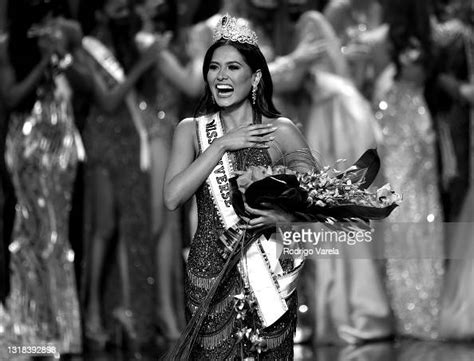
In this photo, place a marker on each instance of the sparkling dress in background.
(160, 104)
(346, 298)
(350, 299)
(113, 153)
(413, 233)
(217, 340)
(42, 151)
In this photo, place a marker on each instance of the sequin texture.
(42, 154)
(413, 233)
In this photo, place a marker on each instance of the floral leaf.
(371, 162)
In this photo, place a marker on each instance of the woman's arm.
(11, 91)
(287, 75)
(336, 12)
(186, 173)
(80, 73)
(466, 90)
(289, 71)
(188, 78)
(317, 43)
(458, 90)
(290, 148)
(110, 99)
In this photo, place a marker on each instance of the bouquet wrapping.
(325, 195)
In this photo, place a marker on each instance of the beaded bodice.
(217, 336)
(204, 257)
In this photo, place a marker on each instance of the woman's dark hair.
(256, 61)
(409, 24)
(123, 29)
(166, 17)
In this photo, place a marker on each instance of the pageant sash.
(255, 268)
(107, 61)
(210, 128)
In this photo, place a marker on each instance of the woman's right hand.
(247, 136)
(307, 53)
(47, 44)
(355, 52)
(151, 53)
(466, 91)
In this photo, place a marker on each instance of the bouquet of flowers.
(324, 195)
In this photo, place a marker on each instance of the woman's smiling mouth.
(224, 90)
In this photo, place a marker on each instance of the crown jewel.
(234, 29)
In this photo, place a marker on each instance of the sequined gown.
(217, 339)
(42, 154)
(413, 233)
(113, 149)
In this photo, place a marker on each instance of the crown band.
(234, 29)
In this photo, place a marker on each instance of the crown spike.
(234, 29)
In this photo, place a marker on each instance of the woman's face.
(229, 77)
(116, 9)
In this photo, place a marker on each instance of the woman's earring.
(254, 94)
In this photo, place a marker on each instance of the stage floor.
(403, 350)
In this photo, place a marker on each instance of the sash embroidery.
(104, 58)
(218, 181)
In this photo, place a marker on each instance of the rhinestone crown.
(234, 29)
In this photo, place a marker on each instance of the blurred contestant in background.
(42, 151)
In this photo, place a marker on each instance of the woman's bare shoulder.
(187, 122)
(287, 134)
(283, 124)
(277, 121)
(186, 131)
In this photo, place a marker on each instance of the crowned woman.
(239, 303)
